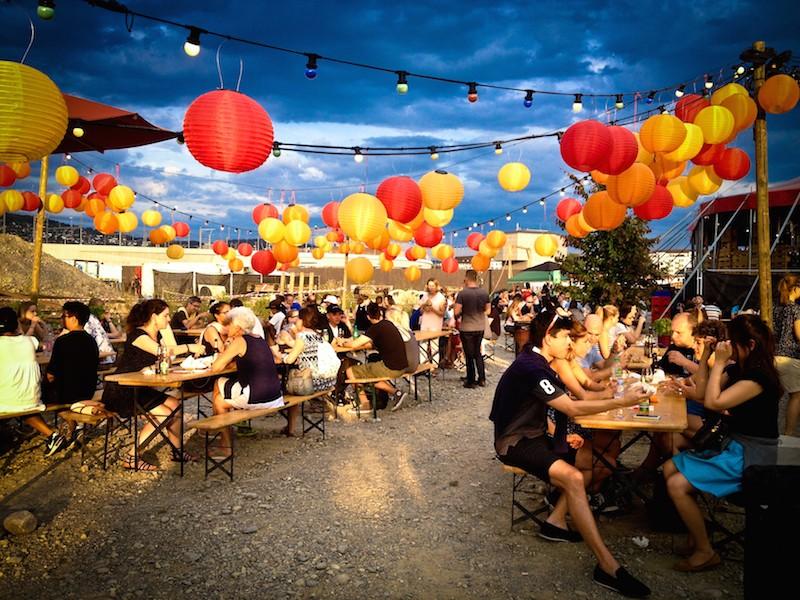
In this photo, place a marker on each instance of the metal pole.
(344, 283)
(38, 233)
(762, 196)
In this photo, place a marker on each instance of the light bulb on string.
(528, 102)
(472, 93)
(276, 150)
(475, 225)
(491, 223)
(650, 98)
(78, 131)
(525, 210)
(192, 44)
(740, 70)
(311, 66)
(508, 217)
(357, 156)
(402, 82)
(434, 153)
(541, 202)
(662, 109)
(498, 148)
(577, 105)
(561, 192)
(680, 91)
(180, 140)
(619, 103)
(46, 9)
(68, 156)
(709, 82)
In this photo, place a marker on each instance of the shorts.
(533, 455)
(789, 373)
(237, 396)
(695, 408)
(376, 370)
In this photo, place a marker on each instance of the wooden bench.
(212, 426)
(517, 482)
(423, 370)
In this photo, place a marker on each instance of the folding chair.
(522, 487)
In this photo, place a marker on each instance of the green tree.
(612, 266)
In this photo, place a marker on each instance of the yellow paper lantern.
(662, 133)
(380, 242)
(726, 91)
(157, 237)
(487, 250)
(229, 255)
(175, 252)
(690, 146)
(400, 232)
(33, 113)
(127, 222)
(151, 218)
(169, 232)
(235, 265)
(22, 169)
(632, 187)
(599, 177)
(343, 248)
(359, 270)
(412, 273)
(414, 223)
(496, 239)
(644, 156)
(514, 177)
(437, 218)
(665, 169)
(386, 265)
(94, 206)
(320, 241)
(779, 94)
(716, 122)
(480, 262)
(573, 227)
(284, 252)
(442, 251)
(13, 200)
(356, 247)
(331, 236)
(120, 198)
(392, 249)
(682, 193)
(53, 204)
(583, 224)
(318, 253)
(440, 190)
(106, 222)
(602, 213)
(272, 230)
(67, 175)
(362, 216)
(297, 233)
(703, 180)
(744, 111)
(546, 244)
(295, 212)
(418, 252)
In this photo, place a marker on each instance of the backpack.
(413, 321)
(328, 362)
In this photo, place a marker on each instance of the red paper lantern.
(263, 211)
(71, 198)
(623, 153)
(83, 185)
(428, 236)
(450, 265)
(686, 108)
(228, 131)
(568, 207)
(181, 229)
(7, 176)
(220, 247)
(330, 214)
(409, 254)
(658, 206)
(32, 201)
(732, 164)
(244, 249)
(104, 183)
(474, 240)
(585, 144)
(263, 262)
(708, 154)
(402, 198)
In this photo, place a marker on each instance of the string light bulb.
(525, 210)
(180, 140)
(528, 102)
(472, 93)
(498, 148)
(740, 70)
(357, 156)
(508, 216)
(311, 66)
(68, 156)
(662, 109)
(46, 9)
(577, 105)
(192, 44)
(475, 225)
(78, 131)
(650, 97)
(680, 91)
(619, 103)
(709, 82)
(541, 202)
(276, 150)
(434, 153)
(561, 192)
(402, 82)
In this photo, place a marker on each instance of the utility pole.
(38, 232)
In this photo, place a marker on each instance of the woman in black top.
(143, 324)
(744, 385)
(786, 324)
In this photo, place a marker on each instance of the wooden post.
(291, 282)
(300, 285)
(344, 283)
(762, 197)
(282, 285)
(38, 238)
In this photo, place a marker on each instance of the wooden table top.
(43, 358)
(670, 406)
(421, 336)
(175, 378)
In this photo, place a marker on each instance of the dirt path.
(415, 506)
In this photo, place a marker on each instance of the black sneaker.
(550, 532)
(621, 582)
(470, 386)
(482, 382)
(600, 504)
(55, 443)
(399, 398)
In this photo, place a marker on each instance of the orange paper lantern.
(359, 270)
(573, 227)
(683, 195)
(235, 265)
(175, 252)
(602, 213)
(362, 216)
(480, 262)
(633, 187)
(284, 252)
(779, 94)
(441, 190)
(744, 111)
(412, 273)
(716, 123)
(106, 222)
(662, 133)
(496, 239)
(295, 212)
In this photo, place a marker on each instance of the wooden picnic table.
(670, 406)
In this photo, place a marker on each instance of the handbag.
(713, 437)
(300, 382)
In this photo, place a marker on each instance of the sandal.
(177, 457)
(129, 463)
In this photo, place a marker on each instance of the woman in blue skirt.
(743, 385)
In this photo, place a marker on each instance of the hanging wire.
(30, 43)
(219, 67)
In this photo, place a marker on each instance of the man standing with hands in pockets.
(472, 305)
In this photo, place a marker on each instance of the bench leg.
(318, 424)
(527, 514)
(430, 392)
(212, 464)
(374, 402)
(109, 421)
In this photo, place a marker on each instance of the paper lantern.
(230, 254)
(392, 250)
(272, 230)
(779, 94)
(686, 108)
(359, 270)
(412, 273)
(474, 239)
(235, 265)
(320, 241)
(284, 252)
(573, 227)
(437, 218)
(31, 202)
(169, 231)
(716, 122)
(127, 222)
(83, 185)
(362, 216)
(744, 111)
(450, 265)
(480, 262)
(356, 247)
(33, 113)
(343, 248)
(662, 133)
(428, 236)
(71, 198)
(67, 175)
(410, 255)
(379, 242)
(335, 236)
(157, 237)
(599, 177)
(120, 197)
(683, 195)
(106, 222)
(295, 212)
(151, 218)
(414, 223)
(228, 131)
(624, 150)
(220, 248)
(495, 239)
(644, 156)
(726, 91)
(514, 177)
(330, 214)
(602, 213)
(732, 164)
(385, 264)
(546, 244)
(263, 262)
(417, 252)
(82, 204)
(297, 233)
(53, 204)
(94, 206)
(181, 229)
(13, 200)
(22, 169)
(399, 232)
(708, 154)
(244, 249)
(691, 145)
(568, 207)
(658, 206)
(441, 190)
(704, 180)
(633, 187)
(487, 250)
(585, 144)
(318, 253)
(262, 211)
(402, 198)
(442, 251)
(104, 183)
(175, 252)
(665, 169)
(7, 176)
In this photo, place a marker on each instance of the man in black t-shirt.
(519, 413)
(188, 317)
(335, 327)
(472, 305)
(72, 370)
(679, 356)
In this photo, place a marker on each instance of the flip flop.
(129, 464)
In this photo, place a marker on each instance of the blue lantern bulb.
(527, 103)
(311, 73)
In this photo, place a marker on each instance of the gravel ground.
(415, 506)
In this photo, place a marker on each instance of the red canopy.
(780, 194)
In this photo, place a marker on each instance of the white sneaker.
(54, 443)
